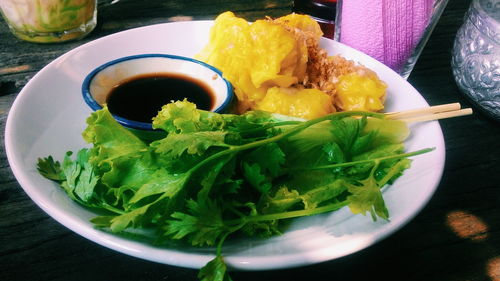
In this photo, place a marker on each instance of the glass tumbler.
(392, 31)
(50, 21)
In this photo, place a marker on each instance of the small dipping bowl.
(101, 82)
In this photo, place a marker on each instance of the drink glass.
(392, 31)
(50, 21)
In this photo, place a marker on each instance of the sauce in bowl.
(135, 88)
(141, 97)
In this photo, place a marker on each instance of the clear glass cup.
(51, 21)
(392, 31)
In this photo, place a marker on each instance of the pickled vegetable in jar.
(47, 21)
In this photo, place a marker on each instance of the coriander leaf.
(50, 169)
(80, 177)
(367, 197)
(252, 119)
(230, 186)
(254, 175)
(160, 182)
(311, 189)
(334, 152)
(87, 179)
(269, 157)
(322, 193)
(214, 270)
(388, 173)
(284, 199)
(174, 145)
(226, 181)
(102, 221)
(71, 170)
(254, 124)
(202, 226)
(182, 117)
(121, 222)
(374, 154)
(218, 172)
(262, 228)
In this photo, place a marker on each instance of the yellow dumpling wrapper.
(297, 102)
(304, 28)
(360, 92)
(303, 23)
(255, 57)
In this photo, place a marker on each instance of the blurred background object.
(392, 31)
(323, 11)
(476, 56)
(51, 21)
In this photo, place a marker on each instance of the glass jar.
(51, 21)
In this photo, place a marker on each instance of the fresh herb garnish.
(217, 174)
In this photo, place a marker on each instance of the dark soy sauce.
(141, 97)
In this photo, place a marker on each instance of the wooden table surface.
(455, 237)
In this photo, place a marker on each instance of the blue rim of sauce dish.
(92, 103)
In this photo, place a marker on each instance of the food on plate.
(299, 102)
(214, 175)
(360, 92)
(282, 58)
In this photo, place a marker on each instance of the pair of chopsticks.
(430, 113)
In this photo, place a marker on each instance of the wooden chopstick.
(430, 113)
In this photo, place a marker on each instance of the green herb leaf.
(203, 226)
(182, 117)
(80, 177)
(50, 169)
(214, 270)
(367, 198)
(174, 145)
(256, 178)
(131, 218)
(270, 158)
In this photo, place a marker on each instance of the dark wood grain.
(455, 238)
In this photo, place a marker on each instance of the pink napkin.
(387, 30)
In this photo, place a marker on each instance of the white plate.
(49, 114)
